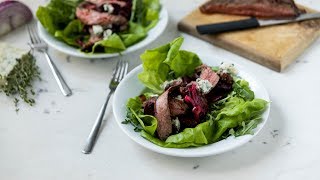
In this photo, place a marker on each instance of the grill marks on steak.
(258, 8)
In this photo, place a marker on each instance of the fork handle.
(95, 129)
(66, 91)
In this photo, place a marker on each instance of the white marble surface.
(45, 141)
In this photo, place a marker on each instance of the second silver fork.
(118, 73)
(39, 45)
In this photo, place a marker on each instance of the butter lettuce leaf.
(158, 62)
(235, 111)
(189, 137)
(71, 33)
(136, 117)
(111, 45)
(57, 14)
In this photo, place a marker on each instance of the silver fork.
(118, 73)
(39, 45)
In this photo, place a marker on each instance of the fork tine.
(116, 71)
(125, 70)
(121, 70)
(30, 35)
(36, 36)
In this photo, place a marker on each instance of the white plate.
(63, 47)
(131, 87)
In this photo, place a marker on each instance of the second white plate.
(63, 47)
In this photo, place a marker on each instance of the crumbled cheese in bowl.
(228, 68)
(176, 123)
(107, 33)
(204, 85)
(108, 8)
(97, 29)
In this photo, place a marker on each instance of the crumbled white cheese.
(166, 83)
(227, 68)
(8, 60)
(204, 85)
(107, 33)
(108, 8)
(97, 29)
(176, 123)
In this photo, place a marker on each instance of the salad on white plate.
(183, 106)
(100, 28)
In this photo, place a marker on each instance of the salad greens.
(237, 114)
(59, 19)
(165, 63)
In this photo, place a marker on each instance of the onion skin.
(13, 14)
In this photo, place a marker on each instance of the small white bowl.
(153, 34)
(130, 86)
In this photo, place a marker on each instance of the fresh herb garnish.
(19, 81)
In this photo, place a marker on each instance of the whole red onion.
(13, 14)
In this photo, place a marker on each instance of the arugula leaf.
(242, 89)
(246, 127)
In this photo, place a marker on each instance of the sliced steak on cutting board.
(257, 8)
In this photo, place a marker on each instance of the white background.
(45, 141)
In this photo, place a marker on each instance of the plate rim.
(60, 46)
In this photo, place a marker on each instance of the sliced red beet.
(198, 102)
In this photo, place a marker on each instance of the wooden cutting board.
(274, 47)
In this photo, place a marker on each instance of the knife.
(249, 23)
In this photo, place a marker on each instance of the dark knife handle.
(228, 26)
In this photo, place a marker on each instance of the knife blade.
(249, 23)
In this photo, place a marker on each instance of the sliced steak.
(222, 89)
(176, 82)
(102, 2)
(258, 8)
(162, 113)
(88, 45)
(177, 107)
(187, 121)
(149, 106)
(93, 17)
(208, 74)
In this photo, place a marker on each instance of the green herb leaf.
(20, 79)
